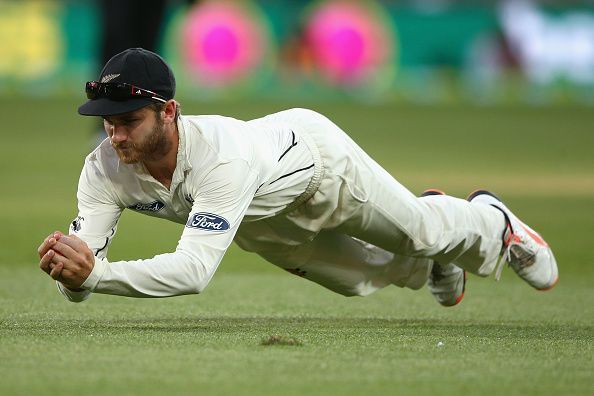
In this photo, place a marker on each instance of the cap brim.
(107, 107)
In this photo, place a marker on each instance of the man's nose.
(118, 134)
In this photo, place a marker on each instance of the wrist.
(73, 289)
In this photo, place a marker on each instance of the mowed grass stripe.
(386, 342)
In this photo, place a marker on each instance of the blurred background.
(381, 51)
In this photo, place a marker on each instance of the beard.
(154, 146)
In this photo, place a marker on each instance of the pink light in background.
(222, 41)
(349, 40)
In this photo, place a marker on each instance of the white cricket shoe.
(447, 282)
(523, 248)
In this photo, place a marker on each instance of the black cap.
(136, 66)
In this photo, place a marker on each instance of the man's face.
(137, 136)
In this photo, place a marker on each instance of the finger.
(45, 261)
(56, 271)
(66, 251)
(40, 248)
(58, 258)
(58, 234)
(46, 245)
(73, 241)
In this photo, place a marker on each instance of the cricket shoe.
(523, 248)
(447, 282)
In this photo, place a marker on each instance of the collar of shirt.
(183, 163)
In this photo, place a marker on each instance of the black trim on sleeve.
(293, 144)
(106, 242)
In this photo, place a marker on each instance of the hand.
(66, 259)
(45, 263)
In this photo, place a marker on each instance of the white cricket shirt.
(227, 171)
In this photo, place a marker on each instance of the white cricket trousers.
(361, 230)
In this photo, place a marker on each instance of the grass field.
(504, 338)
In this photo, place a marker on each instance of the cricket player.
(291, 187)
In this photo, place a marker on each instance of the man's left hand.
(73, 260)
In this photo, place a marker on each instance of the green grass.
(503, 339)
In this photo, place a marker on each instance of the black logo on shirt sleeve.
(76, 224)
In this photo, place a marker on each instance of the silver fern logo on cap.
(108, 77)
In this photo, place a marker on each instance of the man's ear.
(169, 109)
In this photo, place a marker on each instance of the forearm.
(165, 275)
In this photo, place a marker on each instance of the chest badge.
(154, 206)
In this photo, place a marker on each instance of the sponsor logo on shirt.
(207, 222)
(154, 206)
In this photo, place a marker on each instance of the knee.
(351, 290)
(427, 229)
(348, 293)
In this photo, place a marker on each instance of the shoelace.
(515, 249)
(505, 257)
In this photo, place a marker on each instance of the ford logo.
(154, 206)
(207, 222)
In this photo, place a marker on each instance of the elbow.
(200, 276)
(201, 283)
(199, 288)
(194, 286)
